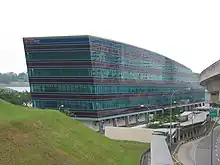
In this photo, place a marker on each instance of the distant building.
(95, 77)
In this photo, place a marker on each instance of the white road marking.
(194, 154)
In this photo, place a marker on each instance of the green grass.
(30, 136)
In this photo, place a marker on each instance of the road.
(186, 153)
(202, 154)
(198, 152)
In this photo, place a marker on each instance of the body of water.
(20, 89)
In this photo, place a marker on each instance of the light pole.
(171, 104)
(163, 100)
(61, 106)
(193, 116)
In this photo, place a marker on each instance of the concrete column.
(136, 119)
(126, 120)
(115, 124)
(186, 135)
(100, 127)
(218, 96)
(178, 133)
(146, 118)
(209, 97)
(199, 131)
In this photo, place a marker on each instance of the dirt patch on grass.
(18, 144)
(56, 157)
(19, 137)
(11, 134)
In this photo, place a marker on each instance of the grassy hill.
(34, 137)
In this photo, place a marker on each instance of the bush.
(15, 97)
(153, 126)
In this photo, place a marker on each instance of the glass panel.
(58, 55)
(40, 72)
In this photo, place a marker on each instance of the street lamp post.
(162, 100)
(61, 106)
(171, 104)
(193, 116)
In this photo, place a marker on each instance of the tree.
(25, 97)
(15, 97)
(4, 78)
(9, 77)
(22, 77)
(177, 111)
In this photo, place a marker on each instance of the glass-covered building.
(95, 77)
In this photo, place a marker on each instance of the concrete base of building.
(132, 119)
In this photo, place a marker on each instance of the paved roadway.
(202, 154)
(198, 152)
(186, 153)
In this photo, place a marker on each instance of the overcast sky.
(187, 31)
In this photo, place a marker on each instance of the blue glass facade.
(96, 77)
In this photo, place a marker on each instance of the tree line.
(7, 78)
(15, 97)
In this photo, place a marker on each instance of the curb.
(144, 157)
(175, 156)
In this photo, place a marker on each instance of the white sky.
(187, 31)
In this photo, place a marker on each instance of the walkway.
(160, 153)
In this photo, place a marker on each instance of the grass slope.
(34, 137)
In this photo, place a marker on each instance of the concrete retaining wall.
(131, 134)
(121, 122)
